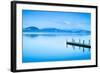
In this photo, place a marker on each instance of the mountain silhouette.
(30, 29)
(35, 29)
(52, 30)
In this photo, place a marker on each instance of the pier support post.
(83, 44)
(73, 42)
(79, 42)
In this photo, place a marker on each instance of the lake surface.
(50, 47)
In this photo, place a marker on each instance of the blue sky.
(61, 20)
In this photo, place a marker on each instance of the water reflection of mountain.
(55, 30)
(36, 35)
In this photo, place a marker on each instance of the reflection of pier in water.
(79, 44)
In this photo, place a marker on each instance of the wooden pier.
(79, 44)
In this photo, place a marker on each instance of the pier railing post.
(79, 42)
(89, 42)
(73, 42)
(83, 44)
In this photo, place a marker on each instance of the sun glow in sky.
(55, 19)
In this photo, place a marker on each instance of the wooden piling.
(73, 42)
(79, 42)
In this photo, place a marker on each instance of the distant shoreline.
(52, 33)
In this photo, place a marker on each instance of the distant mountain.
(52, 30)
(35, 29)
(31, 29)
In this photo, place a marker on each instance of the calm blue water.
(48, 48)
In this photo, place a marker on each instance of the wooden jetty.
(79, 44)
